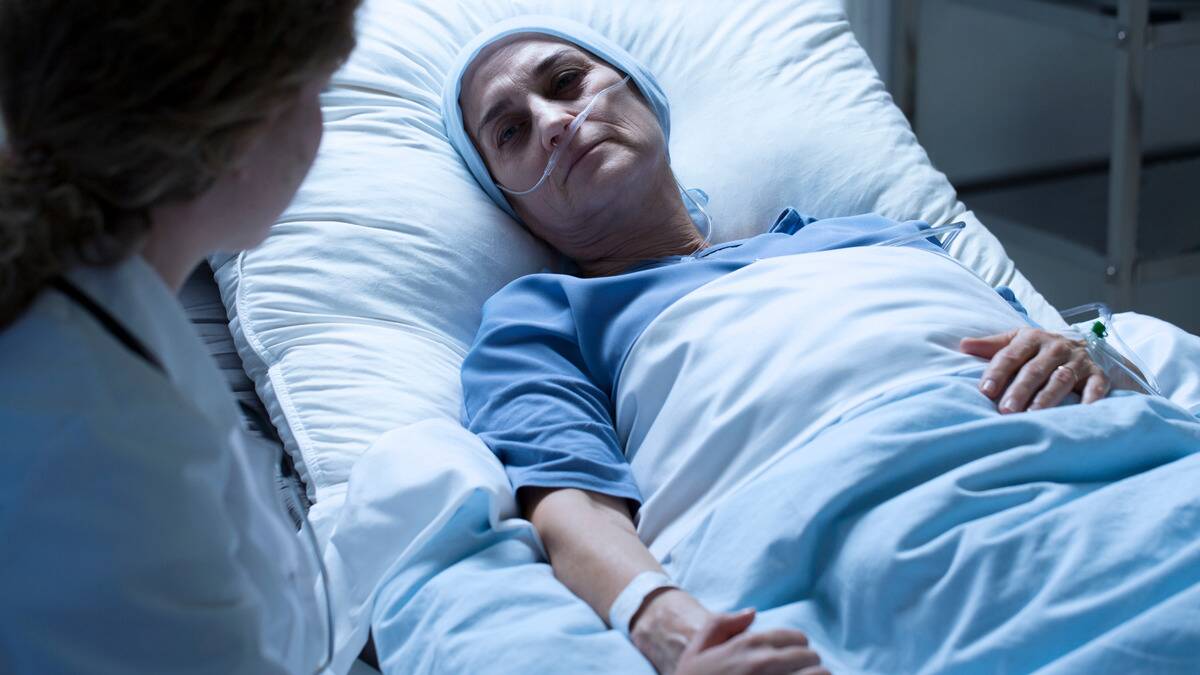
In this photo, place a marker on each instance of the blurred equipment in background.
(1012, 99)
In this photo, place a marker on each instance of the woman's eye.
(506, 134)
(565, 79)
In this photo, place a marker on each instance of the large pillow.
(354, 316)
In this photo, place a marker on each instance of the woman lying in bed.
(540, 382)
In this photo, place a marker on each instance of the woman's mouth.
(584, 151)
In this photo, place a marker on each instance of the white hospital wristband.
(630, 600)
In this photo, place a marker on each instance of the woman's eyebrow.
(495, 111)
(552, 60)
(499, 107)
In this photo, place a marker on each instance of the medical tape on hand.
(1111, 358)
(566, 142)
(630, 600)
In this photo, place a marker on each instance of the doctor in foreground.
(142, 531)
(567, 133)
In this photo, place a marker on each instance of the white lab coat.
(140, 530)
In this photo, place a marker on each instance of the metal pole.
(1125, 166)
(906, 16)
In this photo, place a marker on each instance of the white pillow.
(1169, 353)
(354, 316)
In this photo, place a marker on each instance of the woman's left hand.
(1031, 368)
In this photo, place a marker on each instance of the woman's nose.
(552, 120)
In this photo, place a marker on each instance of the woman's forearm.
(595, 551)
(590, 538)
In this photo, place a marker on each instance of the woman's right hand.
(724, 647)
(678, 635)
(595, 550)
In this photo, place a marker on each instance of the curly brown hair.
(113, 107)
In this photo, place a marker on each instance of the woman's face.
(270, 171)
(518, 99)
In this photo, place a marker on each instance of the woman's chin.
(247, 238)
(606, 179)
(600, 186)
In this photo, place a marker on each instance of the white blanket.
(812, 443)
(753, 365)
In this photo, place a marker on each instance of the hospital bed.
(201, 301)
(352, 319)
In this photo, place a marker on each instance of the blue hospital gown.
(539, 379)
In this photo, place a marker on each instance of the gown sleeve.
(528, 394)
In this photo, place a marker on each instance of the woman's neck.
(679, 242)
(666, 229)
(175, 244)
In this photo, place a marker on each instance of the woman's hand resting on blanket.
(1030, 369)
(595, 551)
(679, 636)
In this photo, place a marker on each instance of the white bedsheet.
(430, 495)
(843, 474)
(804, 338)
(1169, 352)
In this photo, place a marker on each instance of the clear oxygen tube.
(951, 231)
(319, 560)
(1094, 322)
(699, 206)
(565, 143)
